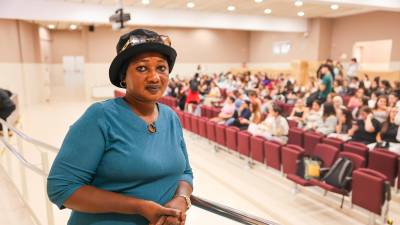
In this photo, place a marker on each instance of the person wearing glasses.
(125, 160)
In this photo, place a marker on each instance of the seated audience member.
(227, 110)
(343, 126)
(298, 111)
(390, 131)
(394, 97)
(241, 116)
(354, 83)
(255, 117)
(372, 100)
(329, 120)
(266, 104)
(7, 106)
(365, 128)
(356, 100)
(385, 87)
(213, 96)
(380, 111)
(338, 105)
(275, 127)
(313, 116)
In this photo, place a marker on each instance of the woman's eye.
(141, 68)
(162, 68)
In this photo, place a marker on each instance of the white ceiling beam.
(97, 13)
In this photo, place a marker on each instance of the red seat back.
(194, 123)
(203, 127)
(336, 142)
(385, 162)
(244, 143)
(357, 148)
(187, 121)
(292, 123)
(327, 153)
(220, 134)
(358, 161)
(257, 148)
(211, 130)
(311, 139)
(290, 157)
(368, 189)
(272, 153)
(296, 136)
(231, 137)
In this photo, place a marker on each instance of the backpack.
(339, 172)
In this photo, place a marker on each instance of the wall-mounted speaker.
(91, 28)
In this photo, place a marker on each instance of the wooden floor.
(219, 176)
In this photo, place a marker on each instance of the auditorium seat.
(296, 136)
(291, 154)
(215, 112)
(220, 134)
(336, 142)
(244, 143)
(287, 109)
(204, 111)
(384, 162)
(311, 139)
(187, 121)
(357, 148)
(358, 162)
(272, 154)
(194, 124)
(328, 154)
(257, 148)
(292, 123)
(179, 113)
(368, 189)
(231, 137)
(211, 130)
(203, 127)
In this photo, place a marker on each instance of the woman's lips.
(153, 88)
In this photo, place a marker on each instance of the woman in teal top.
(125, 161)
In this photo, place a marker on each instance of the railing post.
(8, 157)
(25, 193)
(49, 206)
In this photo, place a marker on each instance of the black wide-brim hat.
(119, 65)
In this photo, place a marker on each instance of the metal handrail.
(29, 139)
(216, 208)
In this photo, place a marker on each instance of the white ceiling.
(248, 15)
(281, 8)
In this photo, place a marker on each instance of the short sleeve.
(79, 156)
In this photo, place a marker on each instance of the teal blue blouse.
(110, 148)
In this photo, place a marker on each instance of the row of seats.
(371, 169)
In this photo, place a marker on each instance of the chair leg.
(325, 192)
(295, 189)
(341, 205)
(371, 219)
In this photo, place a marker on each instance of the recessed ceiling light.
(258, 1)
(298, 3)
(268, 11)
(190, 5)
(73, 27)
(334, 7)
(145, 2)
(300, 13)
(51, 26)
(231, 8)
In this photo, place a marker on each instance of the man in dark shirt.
(7, 106)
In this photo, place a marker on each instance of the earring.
(122, 84)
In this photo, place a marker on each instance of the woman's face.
(315, 106)
(382, 103)
(147, 77)
(360, 93)
(272, 112)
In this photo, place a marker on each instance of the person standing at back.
(353, 69)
